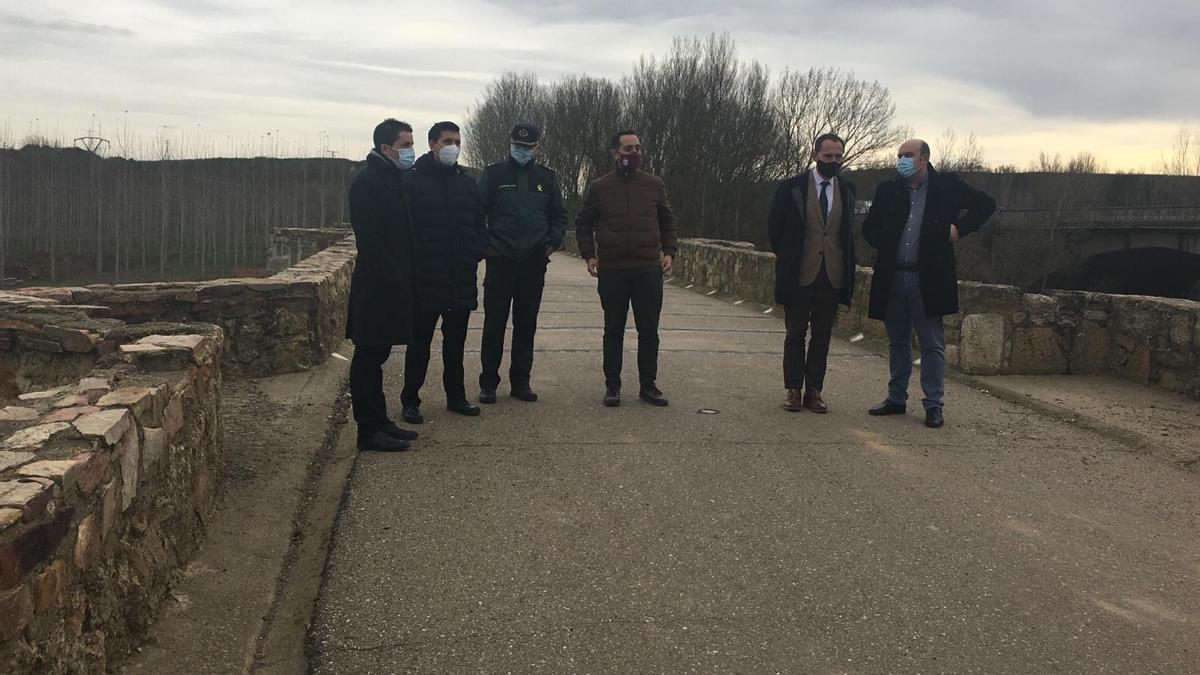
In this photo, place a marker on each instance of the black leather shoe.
(487, 395)
(934, 419)
(396, 432)
(612, 397)
(524, 394)
(463, 408)
(382, 442)
(888, 408)
(652, 395)
(412, 415)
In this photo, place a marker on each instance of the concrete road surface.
(562, 536)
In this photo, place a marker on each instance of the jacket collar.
(520, 167)
(378, 162)
(427, 164)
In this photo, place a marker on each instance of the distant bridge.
(1151, 250)
(1099, 230)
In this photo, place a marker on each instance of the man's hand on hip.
(953, 234)
(591, 266)
(666, 263)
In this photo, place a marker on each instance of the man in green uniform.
(526, 221)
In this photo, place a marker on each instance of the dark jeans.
(816, 306)
(516, 285)
(366, 387)
(906, 311)
(416, 358)
(643, 288)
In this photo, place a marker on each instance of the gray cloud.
(1086, 60)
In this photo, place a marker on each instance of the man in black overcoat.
(914, 221)
(381, 311)
(811, 228)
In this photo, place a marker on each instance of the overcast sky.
(1113, 77)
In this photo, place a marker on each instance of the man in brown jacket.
(626, 233)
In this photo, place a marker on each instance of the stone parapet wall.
(283, 323)
(110, 454)
(290, 245)
(1002, 330)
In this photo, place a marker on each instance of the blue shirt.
(910, 240)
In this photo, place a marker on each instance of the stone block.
(222, 288)
(108, 509)
(9, 516)
(1089, 349)
(981, 348)
(154, 444)
(189, 342)
(173, 415)
(89, 385)
(72, 401)
(71, 339)
(50, 586)
(137, 399)
(93, 471)
(87, 542)
(1181, 331)
(70, 414)
(154, 359)
(1040, 310)
(952, 355)
(34, 437)
(108, 425)
(19, 326)
(92, 311)
(41, 345)
(130, 456)
(13, 413)
(1037, 351)
(64, 472)
(16, 606)
(10, 459)
(43, 395)
(30, 496)
(24, 553)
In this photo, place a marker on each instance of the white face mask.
(448, 155)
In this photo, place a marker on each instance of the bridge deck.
(562, 536)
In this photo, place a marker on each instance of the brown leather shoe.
(794, 402)
(814, 402)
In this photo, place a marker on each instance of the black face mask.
(828, 169)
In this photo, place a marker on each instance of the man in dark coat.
(380, 311)
(626, 235)
(449, 240)
(914, 222)
(811, 227)
(526, 221)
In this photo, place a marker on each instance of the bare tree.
(511, 98)
(1184, 157)
(828, 99)
(581, 113)
(953, 157)
(708, 126)
(1085, 162)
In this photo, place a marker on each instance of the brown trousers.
(816, 306)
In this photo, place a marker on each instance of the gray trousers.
(906, 311)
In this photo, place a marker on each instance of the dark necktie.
(824, 200)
